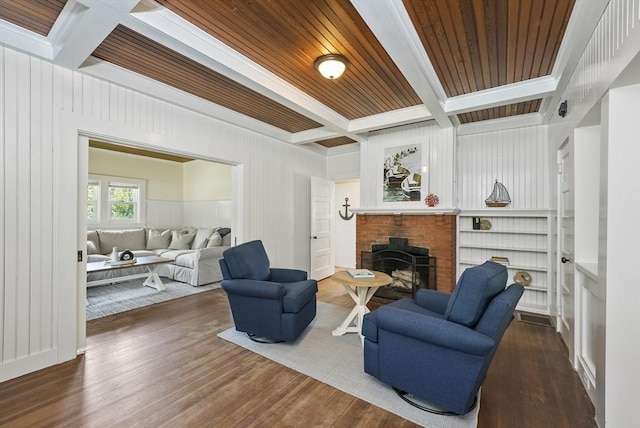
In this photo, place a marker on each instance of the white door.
(321, 238)
(566, 278)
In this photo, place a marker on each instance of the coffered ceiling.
(472, 64)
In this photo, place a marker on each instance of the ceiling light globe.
(331, 66)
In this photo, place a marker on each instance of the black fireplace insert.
(411, 268)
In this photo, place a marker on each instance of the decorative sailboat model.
(499, 197)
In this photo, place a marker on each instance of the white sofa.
(195, 251)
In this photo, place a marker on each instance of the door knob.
(314, 237)
(565, 260)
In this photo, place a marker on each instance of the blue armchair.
(270, 305)
(438, 347)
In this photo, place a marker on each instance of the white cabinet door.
(566, 274)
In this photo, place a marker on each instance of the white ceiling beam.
(313, 135)
(510, 122)
(392, 26)
(113, 73)
(180, 35)
(398, 117)
(82, 29)
(506, 94)
(23, 40)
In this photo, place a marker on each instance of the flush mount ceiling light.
(331, 66)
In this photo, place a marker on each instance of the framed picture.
(402, 172)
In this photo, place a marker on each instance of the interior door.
(566, 293)
(321, 238)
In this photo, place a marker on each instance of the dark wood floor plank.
(164, 366)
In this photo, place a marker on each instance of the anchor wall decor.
(347, 215)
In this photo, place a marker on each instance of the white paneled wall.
(44, 108)
(518, 158)
(207, 213)
(343, 166)
(164, 214)
(613, 45)
(189, 213)
(439, 146)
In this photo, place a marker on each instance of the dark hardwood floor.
(164, 366)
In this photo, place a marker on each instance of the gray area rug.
(338, 361)
(112, 299)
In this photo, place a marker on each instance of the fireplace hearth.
(411, 268)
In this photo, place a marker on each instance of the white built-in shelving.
(526, 238)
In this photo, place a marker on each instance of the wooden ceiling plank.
(450, 44)
(424, 17)
(477, 28)
(460, 37)
(521, 43)
(184, 66)
(533, 26)
(544, 31)
(561, 17)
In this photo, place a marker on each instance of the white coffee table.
(152, 279)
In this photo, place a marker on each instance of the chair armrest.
(445, 334)
(252, 288)
(287, 275)
(432, 300)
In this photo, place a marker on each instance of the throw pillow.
(201, 239)
(93, 242)
(158, 239)
(91, 248)
(223, 231)
(215, 240)
(181, 239)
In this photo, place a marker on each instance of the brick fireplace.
(436, 232)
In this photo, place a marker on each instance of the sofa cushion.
(182, 239)
(175, 254)
(187, 259)
(201, 239)
(248, 261)
(158, 239)
(215, 240)
(475, 290)
(122, 239)
(143, 253)
(93, 242)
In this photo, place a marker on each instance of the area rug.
(112, 299)
(338, 361)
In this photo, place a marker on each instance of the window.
(115, 200)
(93, 197)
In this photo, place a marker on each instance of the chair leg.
(262, 339)
(405, 396)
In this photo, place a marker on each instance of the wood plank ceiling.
(472, 45)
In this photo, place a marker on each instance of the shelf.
(512, 232)
(501, 248)
(501, 212)
(510, 266)
(525, 237)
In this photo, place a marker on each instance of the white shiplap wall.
(44, 108)
(177, 214)
(439, 148)
(518, 158)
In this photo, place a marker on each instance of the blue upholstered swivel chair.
(438, 347)
(270, 305)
